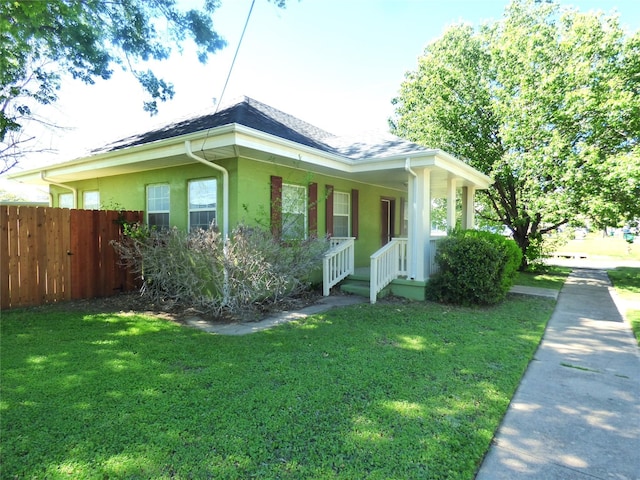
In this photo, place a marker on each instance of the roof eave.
(428, 158)
(117, 157)
(150, 155)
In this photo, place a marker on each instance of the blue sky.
(334, 63)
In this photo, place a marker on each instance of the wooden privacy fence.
(52, 254)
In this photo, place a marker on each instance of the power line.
(233, 62)
(224, 88)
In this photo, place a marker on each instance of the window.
(65, 200)
(202, 203)
(158, 206)
(294, 211)
(344, 210)
(91, 200)
(341, 220)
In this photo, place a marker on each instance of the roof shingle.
(259, 116)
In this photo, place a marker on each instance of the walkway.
(576, 413)
(244, 328)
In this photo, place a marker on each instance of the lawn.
(552, 277)
(626, 281)
(597, 246)
(392, 390)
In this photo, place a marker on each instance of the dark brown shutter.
(329, 209)
(354, 213)
(313, 209)
(276, 206)
(403, 206)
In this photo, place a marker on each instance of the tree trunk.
(523, 241)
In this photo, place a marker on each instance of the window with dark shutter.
(313, 209)
(341, 214)
(294, 212)
(354, 213)
(329, 209)
(276, 206)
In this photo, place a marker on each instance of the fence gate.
(52, 254)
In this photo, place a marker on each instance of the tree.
(41, 41)
(546, 101)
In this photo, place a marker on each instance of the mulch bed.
(178, 311)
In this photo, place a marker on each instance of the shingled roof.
(264, 118)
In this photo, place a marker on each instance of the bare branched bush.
(252, 269)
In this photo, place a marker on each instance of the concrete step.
(360, 285)
(359, 277)
(355, 289)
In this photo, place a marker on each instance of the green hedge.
(476, 268)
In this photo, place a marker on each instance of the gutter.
(43, 174)
(225, 187)
(414, 213)
(225, 211)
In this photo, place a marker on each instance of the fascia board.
(92, 165)
(31, 177)
(136, 154)
(257, 140)
(428, 159)
(378, 164)
(462, 170)
(254, 139)
(239, 135)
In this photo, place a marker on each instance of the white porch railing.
(337, 263)
(387, 264)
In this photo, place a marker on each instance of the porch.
(386, 274)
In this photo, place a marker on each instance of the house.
(371, 194)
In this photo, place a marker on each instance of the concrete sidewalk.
(324, 304)
(576, 413)
(245, 328)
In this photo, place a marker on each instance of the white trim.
(84, 200)
(300, 193)
(66, 194)
(149, 210)
(167, 152)
(190, 210)
(347, 215)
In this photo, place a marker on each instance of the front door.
(387, 209)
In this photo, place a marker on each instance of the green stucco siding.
(249, 196)
(254, 201)
(128, 192)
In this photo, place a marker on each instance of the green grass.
(370, 391)
(552, 277)
(626, 281)
(599, 247)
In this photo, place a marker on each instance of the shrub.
(198, 268)
(263, 270)
(475, 267)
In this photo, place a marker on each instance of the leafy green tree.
(546, 101)
(43, 40)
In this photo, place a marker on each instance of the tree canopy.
(546, 101)
(41, 41)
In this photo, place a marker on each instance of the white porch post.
(451, 203)
(468, 207)
(420, 224)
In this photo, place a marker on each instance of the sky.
(336, 64)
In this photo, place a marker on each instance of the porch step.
(360, 285)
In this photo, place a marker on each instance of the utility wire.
(233, 62)
(235, 55)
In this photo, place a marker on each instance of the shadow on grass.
(402, 391)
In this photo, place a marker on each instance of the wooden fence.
(52, 254)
